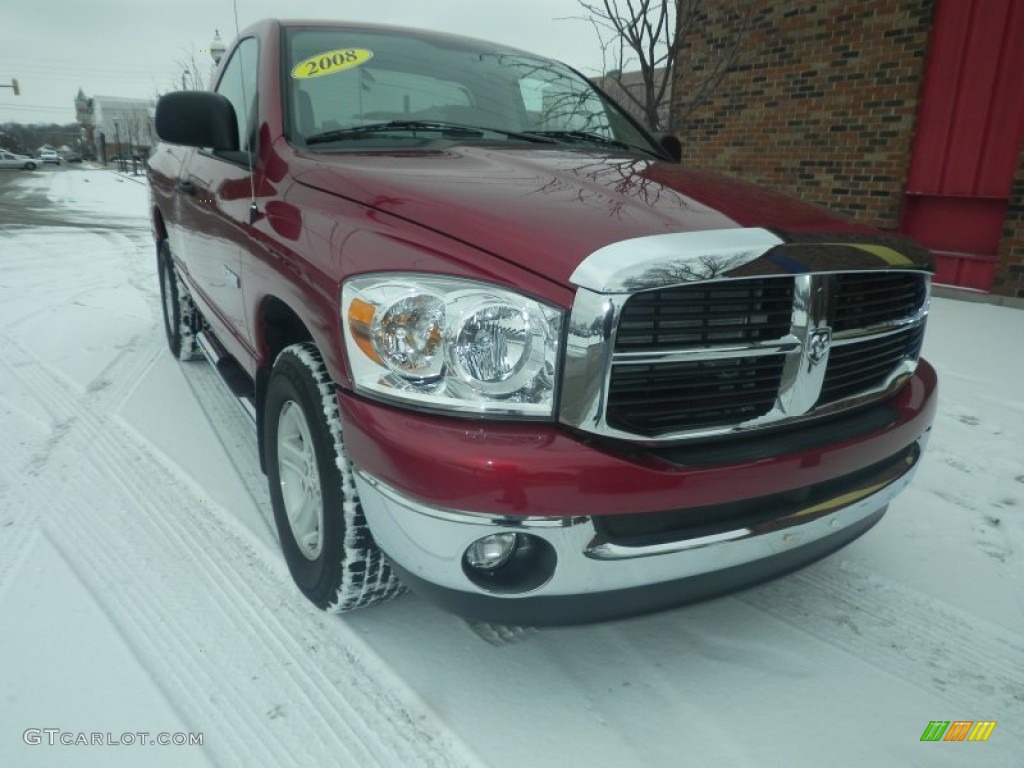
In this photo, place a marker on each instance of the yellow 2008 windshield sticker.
(331, 62)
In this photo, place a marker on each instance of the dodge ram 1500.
(501, 347)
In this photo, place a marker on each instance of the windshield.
(341, 80)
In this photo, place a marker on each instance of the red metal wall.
(969, 128)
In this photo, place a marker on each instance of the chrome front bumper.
(427, 544)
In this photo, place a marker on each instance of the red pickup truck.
(502, 348)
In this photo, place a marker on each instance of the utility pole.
(14, 85)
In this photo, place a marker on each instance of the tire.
(337, 565)
(30, 166)
(181, 318)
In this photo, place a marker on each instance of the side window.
(238, 85)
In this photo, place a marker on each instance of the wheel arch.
(277, 326)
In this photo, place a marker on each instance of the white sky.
(133, 47)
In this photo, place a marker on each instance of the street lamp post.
(117, 137)
(217, 48)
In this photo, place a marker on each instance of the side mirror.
(197, 119)
(672, 146)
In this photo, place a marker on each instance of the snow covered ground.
(142, 590)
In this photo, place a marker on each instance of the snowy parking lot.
(143, 592)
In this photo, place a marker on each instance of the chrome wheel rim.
(300, 480)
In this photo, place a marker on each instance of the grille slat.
(667, 399)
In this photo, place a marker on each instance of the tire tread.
(365, 577)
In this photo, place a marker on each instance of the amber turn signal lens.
(360, 318)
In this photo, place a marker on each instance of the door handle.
(186, 187)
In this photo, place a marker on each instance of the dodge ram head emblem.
(818, 344)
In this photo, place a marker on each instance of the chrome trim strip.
(211, 348)
(431, 545)
(599, 549)
(784, 345)
(881, 330)
(469, 518)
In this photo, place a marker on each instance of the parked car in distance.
(500, 347)
(12, 160)
(72, 157)
(49, 156)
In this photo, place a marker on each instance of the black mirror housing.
(672, 146)
(197, 119)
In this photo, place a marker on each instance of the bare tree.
(138, 130)
(192, 77)
(652, 36)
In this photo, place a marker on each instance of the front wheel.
(326, 542)
(30, 166)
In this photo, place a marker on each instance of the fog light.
(491, 552)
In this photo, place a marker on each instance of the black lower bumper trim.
(560, 610)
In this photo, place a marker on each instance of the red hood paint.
(547, 209)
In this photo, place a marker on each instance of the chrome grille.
(714, 356)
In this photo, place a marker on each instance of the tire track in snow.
(116, 587)
(118, 380)
(19, 525)
(24, 439)
(114, 478)
(234, 432)
(382, 732)
(131, 610)
(977, 666)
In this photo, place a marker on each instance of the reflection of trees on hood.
(616, 182)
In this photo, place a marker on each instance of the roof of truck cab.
(428, 34)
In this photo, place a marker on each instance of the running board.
(231, 373)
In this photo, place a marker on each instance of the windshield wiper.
(587, 136)
(450, 129)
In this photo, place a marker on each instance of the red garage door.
(969, 128)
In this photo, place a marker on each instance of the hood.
(548, 209)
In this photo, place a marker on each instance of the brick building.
(112, 123)
(904, 114)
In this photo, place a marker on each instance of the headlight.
(451, 343)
